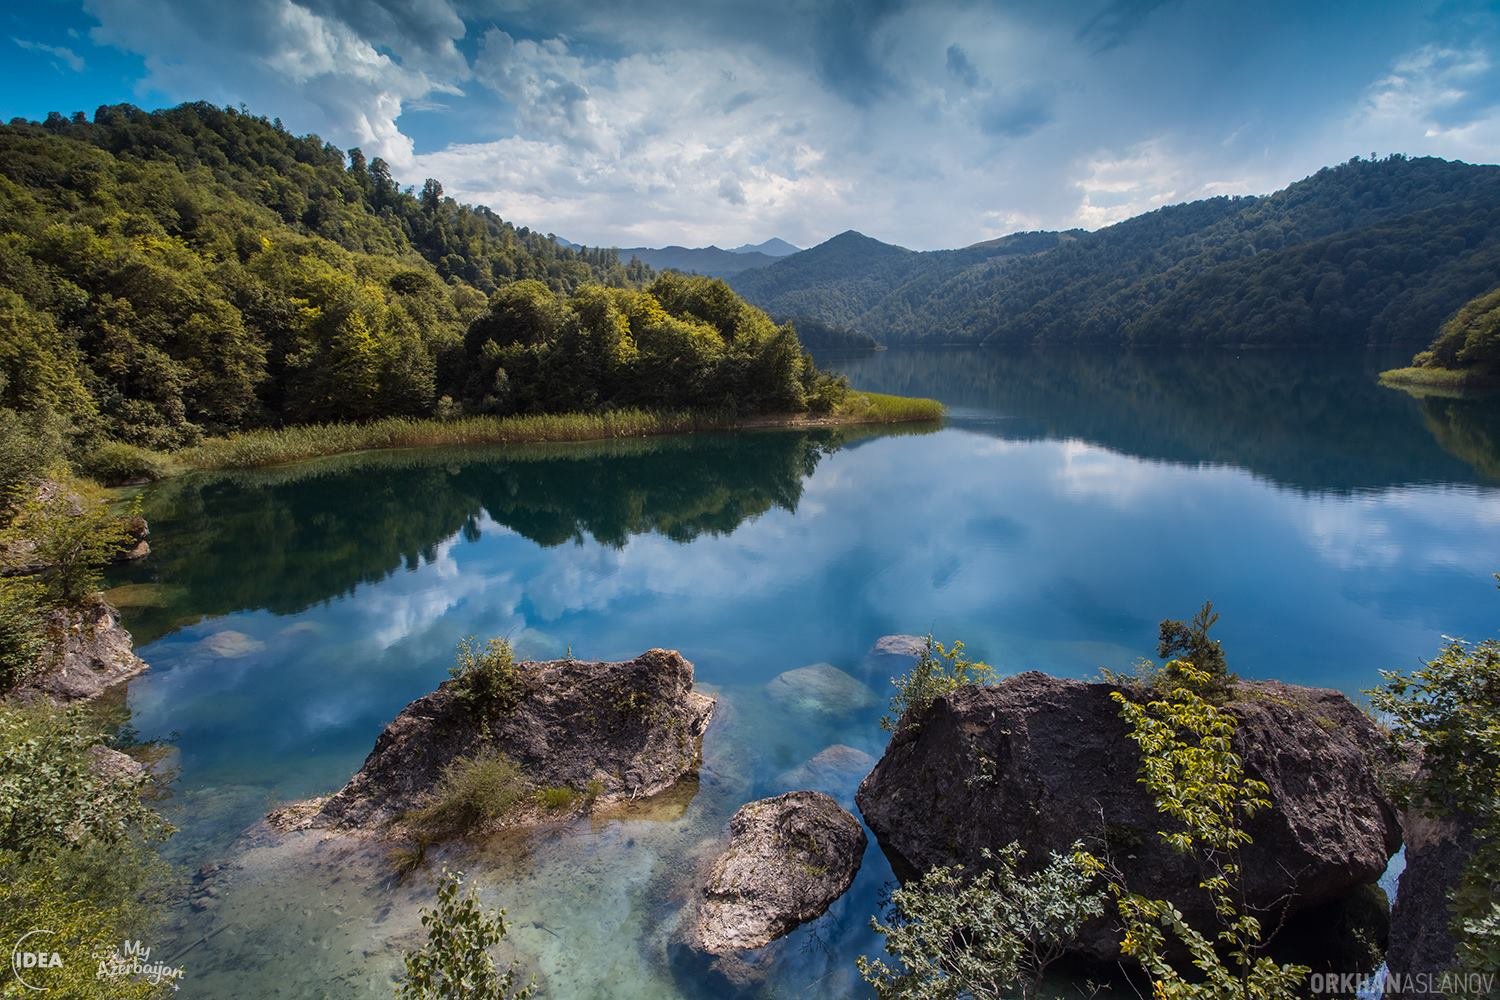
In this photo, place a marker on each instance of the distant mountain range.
(1366, 253)
(773, 247)
(711, 260)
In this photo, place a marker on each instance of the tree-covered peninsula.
(177, 275)
(1465, 355)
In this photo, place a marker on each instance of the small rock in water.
(820, 688)
(836, 770)
(231, 645)
(899, 645)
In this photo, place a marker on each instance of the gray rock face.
(1436, 852)
(88, 652)
(636, 727)
(821, 689)
(1045, 762)
(788, 859)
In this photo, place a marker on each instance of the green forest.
(177, 274)
(1466, 353)
(1371, 252)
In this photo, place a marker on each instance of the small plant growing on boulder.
(486, 677)
(557, 798)
(938, 671)
(984, 936)
(1190, 641)
(472, 792)
(455, 963)
(1189, 765)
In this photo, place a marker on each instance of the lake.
(1067, 504)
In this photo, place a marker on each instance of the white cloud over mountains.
(924, 124)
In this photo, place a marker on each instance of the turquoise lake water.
(1066, 505)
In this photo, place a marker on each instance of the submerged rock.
(788, 859)
(1045, 761)
(1437, 850)
(820, 688)
(88, 652)
(630, 729)
(232, 645)
(837, 770)
(911, 646)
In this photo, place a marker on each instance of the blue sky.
(927, 124)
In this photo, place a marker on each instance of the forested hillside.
(851, 279)
(1369, 252)
(200, 270)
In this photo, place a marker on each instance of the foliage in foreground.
(1446, 716)
(455, 963)
(939, 670)
(76, 852)
(1189, 765)
(984, 936)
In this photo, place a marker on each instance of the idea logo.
(30, 960)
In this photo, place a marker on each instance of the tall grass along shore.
(259, 448)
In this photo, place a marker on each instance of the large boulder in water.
(787, 860)
(629, 729)
(1045, 762)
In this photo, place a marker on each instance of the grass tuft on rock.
(473, 792)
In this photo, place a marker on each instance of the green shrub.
(69, 535)
(115, 463)
(486, 677)
(51, 797)
(1199, 783)
(456, 962)
(22, 640)
(472, 792)
(937, 672)
(984, 936)
(1447, 715)
(1190, 641)
(31, 448)
(557, 798)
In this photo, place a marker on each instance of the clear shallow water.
(1066, 506)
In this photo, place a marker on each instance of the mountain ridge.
(1368, 252)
